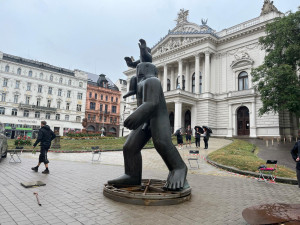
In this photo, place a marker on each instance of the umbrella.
(177, 132)
(208, 129)
(199, 129)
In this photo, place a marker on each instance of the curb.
(249, 173)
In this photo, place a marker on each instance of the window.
(19, 71)
(68, 106)
(57, 116)
(78, 119)
(106, 107)
(96, 96)
(112, 99)
(66, 117)
(30, 73)
(60, 80)
(49, 103)
(5, 82)
(92, 105)
(69, 94)
(3, 97)
(106, 98)
(114, 109)
(70, 82)
(111, 119)
(2, 110)
(40, 88)
(89, 116)
(38, 102)
(193, 83)
(101, 107)
(37, 114)
(100, 118)
(26, 113)
(48, 116)
(101, 97)
(41, 75)
(78, 108)
(7, 68)
(28, 86)
(168, 85)
(117, 99)
(59, 92)
(17, 84)
(27, 100)
(80, 84)
(50, 90)
(104, 118)
(58, 105)
(94, 117)
(16, 98)
(243, 81)
(90, 94)
(79, 96)
(14, 112)
(51, 77)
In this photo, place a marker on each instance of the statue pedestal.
(56, 142)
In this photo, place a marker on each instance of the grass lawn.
(243, 155)
(103, 143)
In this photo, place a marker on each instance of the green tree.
(276, 79)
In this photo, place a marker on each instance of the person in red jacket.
(45, 136)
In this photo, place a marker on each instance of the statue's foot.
(126, 180)
(176, 179)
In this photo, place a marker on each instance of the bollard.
(278, 141)
(267, 143)
(284, 140)
(272, 141)
(290, 139)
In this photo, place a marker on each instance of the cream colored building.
(206, 77)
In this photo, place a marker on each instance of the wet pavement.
(73, 192)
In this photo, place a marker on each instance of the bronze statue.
(150, 119)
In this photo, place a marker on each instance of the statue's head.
(146, 70)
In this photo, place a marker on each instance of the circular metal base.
(149, 193)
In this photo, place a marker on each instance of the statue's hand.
(128, 61)
(142, 43)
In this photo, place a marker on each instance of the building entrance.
(243, 121)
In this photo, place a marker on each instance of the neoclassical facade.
(206, 78)
(33, 91)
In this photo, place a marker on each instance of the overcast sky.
(95, 35)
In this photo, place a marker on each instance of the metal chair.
(195, 157)
(267, 172)
(15, 154)
(96, 151)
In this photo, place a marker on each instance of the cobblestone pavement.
(73, 195)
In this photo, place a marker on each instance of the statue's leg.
(164, 146)
(133, 158)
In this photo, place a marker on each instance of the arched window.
(80, 84)
(243, 81)
(51, 77)
(60, 80)
(112, 130)
(26, 113)
(78, 119)
(7, 68)
(168, 85)
(41, 75)
(14, 112)
(30, 73)
(19, 71)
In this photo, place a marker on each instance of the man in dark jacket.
(296, 156)
(45, 136)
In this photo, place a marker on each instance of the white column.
(194, 116)
(187, 76)
(173, 78)
(229, 130)
(180, 72)
(177, 115)
(253, 120)
(207, 71)
(197, 73)
(165, 77)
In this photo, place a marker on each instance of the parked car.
(3, 143)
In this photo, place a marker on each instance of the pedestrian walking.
(296, 156)
(205, 135)
(45, 136)
(197, 137)
(188, 135)
(179, 138)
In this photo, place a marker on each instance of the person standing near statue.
(45, 136)
(188, 135)
(296, 156)
(205, 137)
(197, 137)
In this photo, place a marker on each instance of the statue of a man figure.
(150, 119)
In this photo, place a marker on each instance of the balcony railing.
(35, 107)
(105, 112)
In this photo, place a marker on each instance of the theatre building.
(206, 77)
(32, 91)
(102, 105)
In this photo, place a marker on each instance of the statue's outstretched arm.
(130, 63)
(132, 87)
